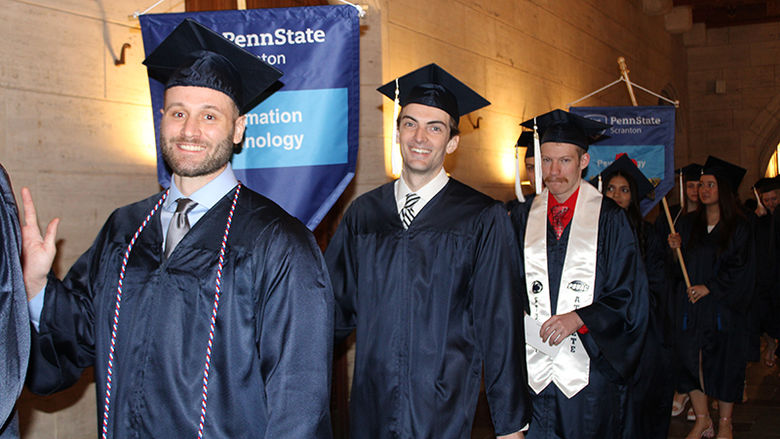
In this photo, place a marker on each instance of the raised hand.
(37, 251)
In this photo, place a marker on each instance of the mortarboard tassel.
(518, 186)
(395, 148)
(755, 192)
(537, 161)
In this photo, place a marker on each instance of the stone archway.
(763, 134)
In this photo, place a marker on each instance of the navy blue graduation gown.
(617, 323)
(765, 301)
(270, 364)
(14, 320)
(717, 325)
(652, 389)
(432, 305)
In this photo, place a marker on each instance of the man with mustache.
(205, 309)
(586, 289)
(424, 270)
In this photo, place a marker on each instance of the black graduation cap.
(194, 55)
(690, 172)
(626, 167)
(526, 140)
(767, 184)
(433, 86)
(730, 172)
(564, 127)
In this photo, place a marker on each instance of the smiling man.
(586, 289)
(204, 309)
(423, 269)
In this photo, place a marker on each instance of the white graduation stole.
(570, 367)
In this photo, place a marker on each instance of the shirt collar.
(428, 191)
(570, 203)
(209, 194)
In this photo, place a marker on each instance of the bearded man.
(226, 318)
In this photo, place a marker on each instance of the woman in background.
(650, 395)
(711, 316)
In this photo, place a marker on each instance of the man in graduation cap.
(424, 270)
(226, 318)
(586, 291)
(767, 189)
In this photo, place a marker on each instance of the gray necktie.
(179, 225)
(407, 212)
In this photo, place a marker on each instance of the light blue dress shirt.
(206, 197)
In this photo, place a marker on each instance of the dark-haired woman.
(650, 397)
(711, 318)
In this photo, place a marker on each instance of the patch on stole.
(577, 286)
(537, 287)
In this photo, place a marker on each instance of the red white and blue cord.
(117, 306)
(217, 290)
(115, 325)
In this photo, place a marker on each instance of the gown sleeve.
(65, 342)
(341, 260)
(618, 317)
(296, 336)
(498, 317)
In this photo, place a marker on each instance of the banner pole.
(624, 74)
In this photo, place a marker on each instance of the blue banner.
(301, 143)
(646, 134)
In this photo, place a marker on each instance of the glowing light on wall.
(146, 147)
(773, 167)
(505, 168)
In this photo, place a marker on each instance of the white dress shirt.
(426, 193)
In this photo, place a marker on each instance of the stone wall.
(739, 120)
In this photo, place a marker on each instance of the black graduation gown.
(617, 323)
(14, 320)
(270, 363)
(716, 325)
(432, 305)
(762, 316)
(652, 389)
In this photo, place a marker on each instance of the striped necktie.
(407, 213)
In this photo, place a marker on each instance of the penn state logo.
(577, 286)
(537, 287)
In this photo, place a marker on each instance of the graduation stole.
(570, 367)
